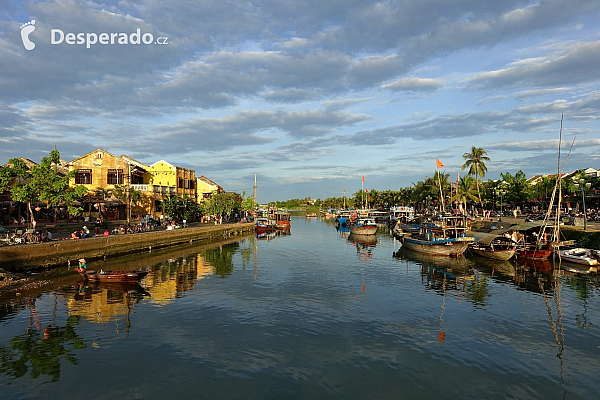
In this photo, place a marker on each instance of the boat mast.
(254, 198)
(441, 192)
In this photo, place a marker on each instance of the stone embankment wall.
(62, 252)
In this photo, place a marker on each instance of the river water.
(313, 314)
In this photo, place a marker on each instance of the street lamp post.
(587, 185)
(501, 193)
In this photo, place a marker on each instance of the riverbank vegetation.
(468, 192)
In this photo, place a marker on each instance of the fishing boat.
(282, 220)
(311, 215)
(448, 238)
(532, 238)
(263, 224)
(342, 218)
(113, 276)
(580, 256)
(494, 246)
(364, 226)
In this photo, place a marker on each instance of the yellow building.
(101, 169)
(104, 170)
(168, 179)
(206, 187)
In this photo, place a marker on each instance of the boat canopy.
(487, 239)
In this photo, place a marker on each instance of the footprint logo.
(26, 29)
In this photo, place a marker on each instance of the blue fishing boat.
(447, 238)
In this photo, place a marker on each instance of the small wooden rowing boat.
(113, 276)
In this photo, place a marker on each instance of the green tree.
(221, 203)
(104, 193)
(475, 161)
(182, 207)
(465, 191)
(515, 186)
(45, 183)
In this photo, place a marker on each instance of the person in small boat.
(82, 267)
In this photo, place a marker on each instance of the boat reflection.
(273, 234)
(454, 267)
(344, 231)
(495, 267)
(364, 245)
(363, 240)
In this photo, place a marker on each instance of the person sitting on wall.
(47, 236)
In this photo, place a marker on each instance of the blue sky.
(308, 95)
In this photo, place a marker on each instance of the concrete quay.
(63, 252)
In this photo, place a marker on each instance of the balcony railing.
(139, 187)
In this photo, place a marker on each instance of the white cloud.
(413, 83)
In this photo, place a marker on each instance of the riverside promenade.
(63, 252)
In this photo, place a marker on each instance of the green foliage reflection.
(221, 258)
(40, 352)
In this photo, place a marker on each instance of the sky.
(308, 95)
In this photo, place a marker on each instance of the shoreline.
(16, 285)
(18, 258)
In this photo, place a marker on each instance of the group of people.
(81, 233)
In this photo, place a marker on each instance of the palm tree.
(464, 191)
(475, 163)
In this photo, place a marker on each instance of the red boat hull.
(536, 254)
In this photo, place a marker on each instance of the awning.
(487, 239)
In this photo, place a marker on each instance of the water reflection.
(364, 245)
(203, 318)
(41, 349)
(103, 302)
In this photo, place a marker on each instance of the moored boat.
(446, 239)
(364, 226)
(494, 247)
(264, 224)
(113, 276)
(580, 256)
(282, 220)
(534, 252)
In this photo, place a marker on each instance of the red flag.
(344, 190)
(439, 163)
(363, 178)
